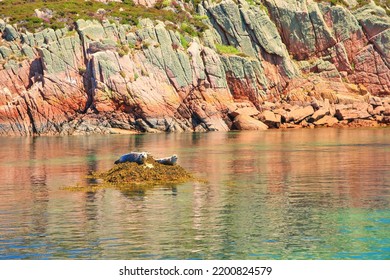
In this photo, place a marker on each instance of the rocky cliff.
(267, 64)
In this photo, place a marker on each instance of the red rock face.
(371, 71)
(40, 107)
(356, 44)
(243, 90)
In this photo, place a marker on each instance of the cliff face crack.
(88, 87)
(205, 68)
(378, 50)
(165, 66)
(252, 37)
(276, 20)
(30, 116)
(220, 29)
(314, 31)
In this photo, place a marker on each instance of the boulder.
(248, 111)
(270, 118)
(301, 113)
(386, 111)
(244, 122)
(282, 113)
(319, 114)
(326, 121)
(378, 110)
(350, 114)
(10, 33)
(375, 101)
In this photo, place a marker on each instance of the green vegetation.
(122, 73)
(334, 2)
(160, 4)
(64, 13)
(184, 41)
(188, 29)
(82, 70)
(251, 2)
(199, 17)
(122, 50)
(224, 49)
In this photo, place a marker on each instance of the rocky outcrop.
(335, 42)
(297, 63)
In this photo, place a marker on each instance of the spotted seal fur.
(168, 160)
(139, 158)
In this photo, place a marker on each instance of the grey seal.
(168, 160)
(139, 158)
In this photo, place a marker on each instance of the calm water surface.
(297, 194)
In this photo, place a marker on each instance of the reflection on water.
(297, 194)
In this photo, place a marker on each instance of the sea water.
(276, 194)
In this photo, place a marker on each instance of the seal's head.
(143, 156)
(174, 159)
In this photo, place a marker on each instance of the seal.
(139, 158)
(168, 160)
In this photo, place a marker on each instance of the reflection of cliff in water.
(92, 166)
(39, 191)
(276, 191)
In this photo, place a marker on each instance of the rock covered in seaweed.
(149, 173)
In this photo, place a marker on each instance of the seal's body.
(168, 160)
(139, 158)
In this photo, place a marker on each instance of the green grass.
(224, 49)
(67, 12)
(184, 42)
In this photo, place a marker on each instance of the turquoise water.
(293, 194)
